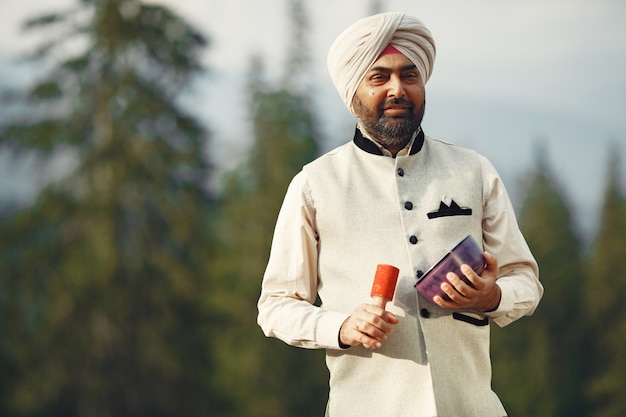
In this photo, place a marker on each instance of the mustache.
(395, 102)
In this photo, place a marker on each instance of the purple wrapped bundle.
(466, 252)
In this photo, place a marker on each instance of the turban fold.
(358, 47)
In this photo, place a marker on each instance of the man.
(396, 196)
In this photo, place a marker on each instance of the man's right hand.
(368, 325)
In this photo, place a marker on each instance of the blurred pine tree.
(604, 303)
(104, 279)
(538, 361)
(268, 377)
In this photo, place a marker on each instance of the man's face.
(390, 102)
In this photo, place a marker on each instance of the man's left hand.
(483, 295)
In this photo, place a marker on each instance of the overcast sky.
(508, 75)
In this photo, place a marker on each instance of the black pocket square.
(452, 210)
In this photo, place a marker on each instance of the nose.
(396, 87)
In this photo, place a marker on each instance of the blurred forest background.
(129, 286)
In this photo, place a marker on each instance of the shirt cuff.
(507, 301)
(328, 326)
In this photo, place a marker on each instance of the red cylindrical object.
(385, 281)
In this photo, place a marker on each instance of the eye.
(378, 78)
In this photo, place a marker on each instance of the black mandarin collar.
(369, 146)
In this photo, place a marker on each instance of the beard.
(394, 131)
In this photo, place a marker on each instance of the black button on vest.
(413, 240)
(408, 205)
(401, 172)
(419, 273)
(425, 313)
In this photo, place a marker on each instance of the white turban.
(357, 48)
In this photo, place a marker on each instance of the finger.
(390, 318)
(475, 281)
(350, 332)
(372, 310)
(364, 338)
(379, 318)
(443, 303)
(374, 331)
(492, 262)
(456, 288)
(369, 325)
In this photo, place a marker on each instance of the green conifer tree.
(284, 141)
(103, 278)
(537, 360)
(604, 303)
(269, 377)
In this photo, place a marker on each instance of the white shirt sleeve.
(286, 304)
(518, 273)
